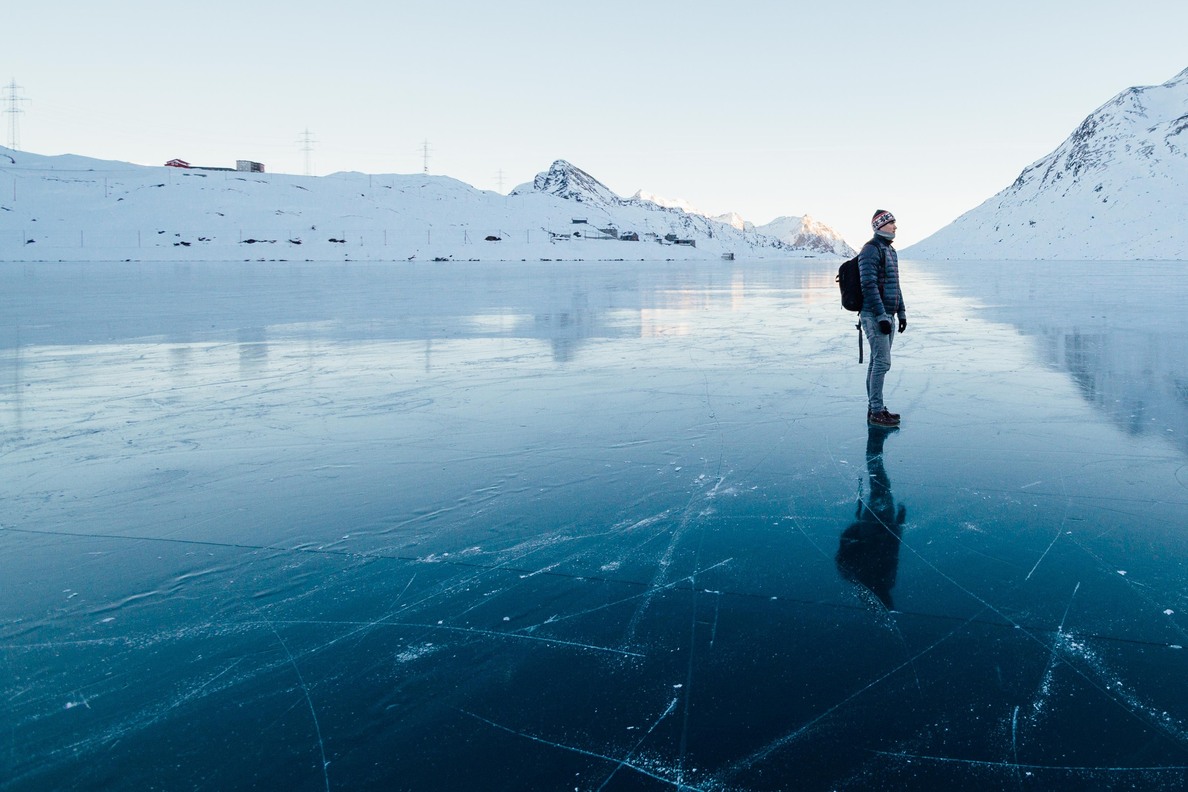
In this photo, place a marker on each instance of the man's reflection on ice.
(868, 553)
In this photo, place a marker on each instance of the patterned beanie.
(881, 218)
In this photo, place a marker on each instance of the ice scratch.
(623, 763)
(519, 636)
(648, 592)
(1015, 736)
(665, 561)
(1059, 531)
(717, 611)
(1016, 766)
(574, 749)
(750, 761)
(308, 700)
(1045, 685)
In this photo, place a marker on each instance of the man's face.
(890, 227)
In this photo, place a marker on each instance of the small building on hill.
(245, 166)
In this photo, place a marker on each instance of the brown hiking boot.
(882, 418)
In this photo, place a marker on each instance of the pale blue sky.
(763, 108)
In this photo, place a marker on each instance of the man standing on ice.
(878, 270)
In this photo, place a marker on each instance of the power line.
(306, 140)
(14, 112)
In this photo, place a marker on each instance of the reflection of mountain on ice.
(1113, 190)
(1132, 374)
(78, 209)
(1095, 322)
(271, 301)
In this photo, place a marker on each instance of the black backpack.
(850, 284)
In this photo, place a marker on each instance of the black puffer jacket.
(881, 294)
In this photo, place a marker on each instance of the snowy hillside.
(75, 208)
(1114, 190)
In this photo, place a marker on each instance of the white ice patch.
(415, 653)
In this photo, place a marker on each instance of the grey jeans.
(880, 360)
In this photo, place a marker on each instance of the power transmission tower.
(306, 140)
(425, 154)
(14, 111)
(499, 180)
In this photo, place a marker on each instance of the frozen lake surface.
(590, 526)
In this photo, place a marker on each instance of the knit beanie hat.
(881, 218)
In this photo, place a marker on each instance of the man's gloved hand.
(902, 323)
(885, 326)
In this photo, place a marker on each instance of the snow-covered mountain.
(735, 220)
(665, 217)
(1113, 190)
(571, 184)
(805, 232)
(800, 232)
(730, 218)
(75, 208)
(667, 203)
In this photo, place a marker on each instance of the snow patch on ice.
(416, 652)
